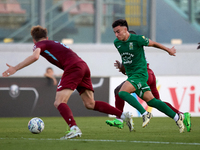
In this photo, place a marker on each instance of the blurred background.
(86, 27)
(89, 21)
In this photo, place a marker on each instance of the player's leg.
(152, 84)
(119, 103)
(124, 93)
(89, 103)
(68, 83)
(88, 100)
(60, 103)
(85, 89)
(153, 102)
(161, 106)
(186, 116)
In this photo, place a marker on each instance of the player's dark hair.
(38, 32)
(132, 32)
(120, 22)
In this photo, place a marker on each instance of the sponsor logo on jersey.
(59, 86)
(127, 58)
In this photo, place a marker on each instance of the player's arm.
(120, 66)
(29, 60)
(171, 51)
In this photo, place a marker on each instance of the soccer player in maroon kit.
(76, 76)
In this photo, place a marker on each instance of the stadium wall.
(34, 96)
(101, 57)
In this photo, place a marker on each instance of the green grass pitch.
(161, 133)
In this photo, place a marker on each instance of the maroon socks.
(66, 113)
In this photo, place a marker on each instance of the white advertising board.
(182, 92)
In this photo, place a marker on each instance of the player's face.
(120, 32)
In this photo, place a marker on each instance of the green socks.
(161, 106)
(131, 100)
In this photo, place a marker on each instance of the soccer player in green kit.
(130, 47)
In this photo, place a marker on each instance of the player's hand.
(117, 65)
(10, 71)
(172, 51)
(198, 46)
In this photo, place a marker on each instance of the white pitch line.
(124, 141)
(96, 140)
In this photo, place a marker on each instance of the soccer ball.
(36, 125)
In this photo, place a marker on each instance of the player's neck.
(126, 37)
(43, 39)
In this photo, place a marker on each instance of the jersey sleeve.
(39, 45)
(143, 41)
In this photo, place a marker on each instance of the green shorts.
(140, 84)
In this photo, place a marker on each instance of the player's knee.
(56, 104)
(90, 105)
(122, 94)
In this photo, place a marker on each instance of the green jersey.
(132, 54)
(134, 61)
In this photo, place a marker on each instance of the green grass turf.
(161, 133)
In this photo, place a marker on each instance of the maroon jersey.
(152, 82)
(57, 53)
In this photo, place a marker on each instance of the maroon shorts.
(77, 77)
(152, 83)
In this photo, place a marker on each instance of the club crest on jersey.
(131, 46)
